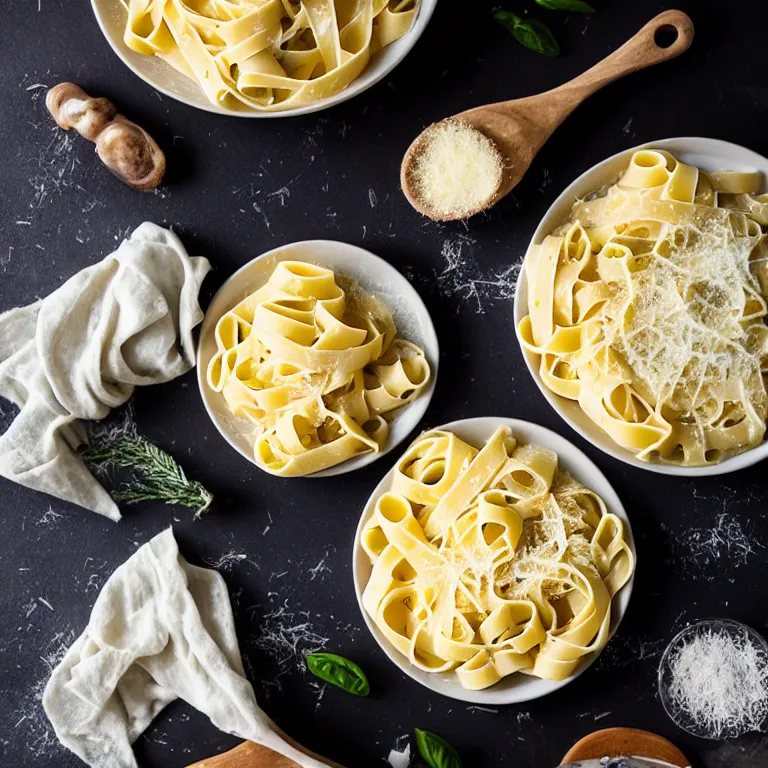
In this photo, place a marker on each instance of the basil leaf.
(577, 6)
(339, 671)
(435, 750)
(533, 34)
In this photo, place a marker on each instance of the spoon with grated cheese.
(465, 164)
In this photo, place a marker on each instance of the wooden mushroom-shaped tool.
(626, 742)
(467, 163)
(124, 147)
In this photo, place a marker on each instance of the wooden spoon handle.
(640, 51)
(250, 755)
(246, 755)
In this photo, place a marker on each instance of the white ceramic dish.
(518, 687)
(111, 16)
(372, 273)
(708, 154)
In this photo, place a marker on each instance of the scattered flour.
(50, 518)
(625, 650)
(56, 166)
(286, 638)
(320, 689)
(319, 569)
(226, 561)
(281, 194)
(726, 540)
(705, 551)
(461, 277)
(31, 725)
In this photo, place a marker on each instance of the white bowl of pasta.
(640, 309)
(259, 58)
(474, 506)
(316, 358)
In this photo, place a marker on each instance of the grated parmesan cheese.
(694, 334)
(716, 680)
(456, 170)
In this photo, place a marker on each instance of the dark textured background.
(700, 543)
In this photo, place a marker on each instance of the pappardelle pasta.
(648, 308)
(268, 55)
(489, 561)
(316, 365)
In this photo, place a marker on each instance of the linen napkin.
(124, 322)
(160, 629)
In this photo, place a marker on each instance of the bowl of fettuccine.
(494, 562)
(262, 58)
(316, 358)
(641, 306)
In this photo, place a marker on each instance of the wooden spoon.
(250, 755)
(519, 128)
(625, 742)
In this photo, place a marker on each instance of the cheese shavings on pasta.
(267, 55)
(491, 561)
(316, 365)
(648, 308)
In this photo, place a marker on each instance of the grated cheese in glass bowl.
(713, 679)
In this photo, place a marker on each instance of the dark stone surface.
(700, 543)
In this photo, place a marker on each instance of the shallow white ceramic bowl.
(708, 154)
(111, 16)
(374, 275)
(518, 687)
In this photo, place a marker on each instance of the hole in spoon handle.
(662, 38)
(672, 33)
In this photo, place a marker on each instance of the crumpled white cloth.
(124, 322)
(161, 629)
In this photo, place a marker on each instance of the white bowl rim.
(414, 411)
(589, 474)
(425, 10)
(698, 145)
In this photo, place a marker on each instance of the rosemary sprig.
(160, 478)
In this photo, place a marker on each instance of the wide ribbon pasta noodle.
(267, 55)
(648, 308)
(316, 367)
(491, 561)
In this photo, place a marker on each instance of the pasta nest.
(648, 308)
(267, 55)
(492, 561)
(315, 365)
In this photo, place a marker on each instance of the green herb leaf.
(533, 34)
(158, 476)
(436, 751)
(577, 6)
(340, 672)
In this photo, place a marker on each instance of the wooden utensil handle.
(250, 755)
(622, 742)
(640, 51)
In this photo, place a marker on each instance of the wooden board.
(619, 742)
(250, 755)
